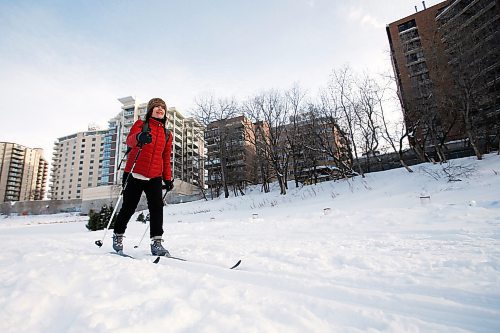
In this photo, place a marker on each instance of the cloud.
(361, 16)
(311, 3)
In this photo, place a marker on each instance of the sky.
(352, 256)
(64, 64)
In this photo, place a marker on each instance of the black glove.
(144, 138)
(169, 185)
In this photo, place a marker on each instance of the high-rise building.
(421, 69)
(321, 156)
(76, 163)
(23, 173)
(193, 153)
(231, 153)
(115, 147)
(446, 60)
(238, 152)
(94, 158)
(471, 35)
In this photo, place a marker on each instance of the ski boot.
(157, 249)
(118, 243)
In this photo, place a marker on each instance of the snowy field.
(367, 255)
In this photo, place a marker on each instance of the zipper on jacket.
(153, 152)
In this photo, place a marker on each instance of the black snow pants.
(132, 195)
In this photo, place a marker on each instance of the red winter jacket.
(154, 160)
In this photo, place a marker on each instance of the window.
(409, 36)
(407, 25)
(418, 67)
(414, 45)
(414, 57)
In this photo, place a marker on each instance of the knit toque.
(156, 102)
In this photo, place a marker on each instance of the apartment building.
(231, 153)
(446, 59)
(470, 32)
(421, 70)
(76, 163)
(238, 152)
(193, 153)
(23, 173)
(187, 146)
(320, 152)
(115, 146)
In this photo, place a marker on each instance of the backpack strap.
(145, 126)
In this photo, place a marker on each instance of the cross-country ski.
(157, 260)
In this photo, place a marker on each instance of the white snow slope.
(380, 260)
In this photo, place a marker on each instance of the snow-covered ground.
(367, 255)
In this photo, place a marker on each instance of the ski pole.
(143, 235)
(125, 155)
(164, 203)
(100, 242)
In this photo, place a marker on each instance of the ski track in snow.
(379, 260)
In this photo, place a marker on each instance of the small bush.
(99, 221)
(141, 218)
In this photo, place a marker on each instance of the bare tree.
(295, 135)
(467, 72)
(260, 130)
(214, 115)
(392, 132)
(342, 92)
(272, 109)
(328, 137)
(367, 118)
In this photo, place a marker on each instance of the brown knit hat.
(156, 102)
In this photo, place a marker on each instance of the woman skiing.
(145, 173)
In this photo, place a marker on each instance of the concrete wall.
(96, 197)
(39, 207)
(93, 198)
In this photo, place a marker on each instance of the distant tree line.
(351, 121)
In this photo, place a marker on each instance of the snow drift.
(394, 252)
